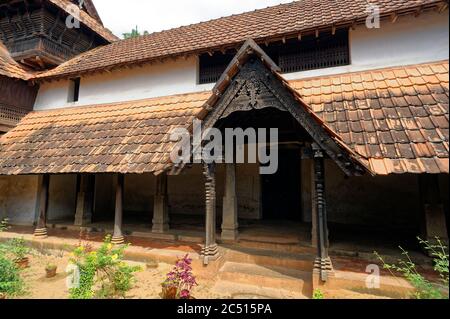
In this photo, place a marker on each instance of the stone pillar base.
(229, 234)
(40, 233)
(209, 254)
(83, 222)
(118, 240)
(160, 228)
(323, 268)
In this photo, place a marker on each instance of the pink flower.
(185, 294)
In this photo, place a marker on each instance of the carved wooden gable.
(255, 86)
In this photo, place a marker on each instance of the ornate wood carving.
(16, 101)
(256, 87)
(323, 261)
(33, 28)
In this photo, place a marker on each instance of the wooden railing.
(11, 115)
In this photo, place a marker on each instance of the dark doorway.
(281, 192)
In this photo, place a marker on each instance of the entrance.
(281, 192)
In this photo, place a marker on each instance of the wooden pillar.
(41, 224)
(323, 262)
(433, 218)
(314, 230)
(230, 223)
(160, 206)
(210, 250)
(85, 199)
(118, 236)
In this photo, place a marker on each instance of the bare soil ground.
(147, 284)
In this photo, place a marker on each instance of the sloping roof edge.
(346, 21)
(249, 48)
(89, 21)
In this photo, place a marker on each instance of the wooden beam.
(118, 238)
(85, 199)
(210, 250)
(418, 11)
(443, 7)
(230, 223)
(160, 206)
(43, 191)
(323, 262)
(394, 17)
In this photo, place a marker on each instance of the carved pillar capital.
(317, 151)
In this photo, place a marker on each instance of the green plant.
(424, 289)
(15, 248)
(102, 273)
(439, 253)
(51, 267)
(11, 283)
(318, 294)
(3, 225)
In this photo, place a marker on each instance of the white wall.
(408, 41)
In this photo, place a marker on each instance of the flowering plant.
(103, 273)
(180, 281)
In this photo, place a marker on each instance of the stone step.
(292, 280)
(269, 244)
(235, 290)
(269, 258)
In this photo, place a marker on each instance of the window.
(310, 53)
(313, 53)
(74, 90)
(212, 67)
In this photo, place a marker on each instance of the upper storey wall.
(411, 40)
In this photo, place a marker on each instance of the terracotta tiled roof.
(269, 23)
(9, 67)
(126, 137)
(398, 118)
(91, 22)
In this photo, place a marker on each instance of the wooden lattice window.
(310, 53)
(313, 53)
(212, 67)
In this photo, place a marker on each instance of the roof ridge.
(259, 24)
(215, 19)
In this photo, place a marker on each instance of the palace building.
(362, 113)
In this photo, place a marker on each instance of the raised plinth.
(40, 233)
(210, 253)
(118, 240)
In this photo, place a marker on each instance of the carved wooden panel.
(26, 30)
(16, 100)
(255, 87)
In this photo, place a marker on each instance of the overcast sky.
(121, 16)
